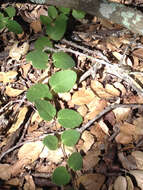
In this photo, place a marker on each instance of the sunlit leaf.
(52, 12)
(43, 42)
(70, 137)
(10, 11)
(63, 81)
(57, 29)
(39, 59)
(51, 142)
(75, 161)
(64, 10)
(63, 60)
(46, 109)
(78, 14)
(69, 118)
(38, 91)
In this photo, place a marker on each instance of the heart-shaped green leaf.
(52, 12)
(63, 81)
(69, 118)
(64, 10)
(51, 142)
(57, 29)
(60, 176)
(63, 60)
(45, 19)
(46, 110)
(13, 26)
(10, 11)
(70, 137)
(77, 14)
(43, 42)
(75, 161)
(38, 91)
(39, 59)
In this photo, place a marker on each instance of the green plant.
(42, 95)
(6, 20)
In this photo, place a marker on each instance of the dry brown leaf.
(5, 171)
(98, 88)
(90, 181)
(14, 182)
(127, 128)
(82, 97)
(30, 151)
(29, 185)
(88, 140)
(138, 174)
(127, 162)
(19, 165)
(82, 110)
(120, 183)
(123, 138)
(91, 159)
(139, 125)
(25, 69)
(12, 92)
(95, 107)
(121, 114)
(98, 132)
(104, 127)
(138, 155)
(36, 26)
(7, 77)
(36, 117)
(20, 119)
(17, 51)
(138, 53)
(129, 183)
(112, 90)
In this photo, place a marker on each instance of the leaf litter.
(111, 145)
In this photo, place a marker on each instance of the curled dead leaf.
(82, 97)
(12, 92)
(20, 120)
(5, 171)
(123, 138)
(88, 140)
(130, 185)
(120, 183)
(138, 174)
(7, 77)
(17, 51)
(138, 155)
(98, 88)
(127, 128)
(90, 181)
(31, 151)
(121, 114)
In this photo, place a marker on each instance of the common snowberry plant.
(62, 81)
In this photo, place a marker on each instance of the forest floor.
(109, 98)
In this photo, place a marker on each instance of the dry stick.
(106, 110)
(98, 53)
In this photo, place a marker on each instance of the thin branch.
(106, 110)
